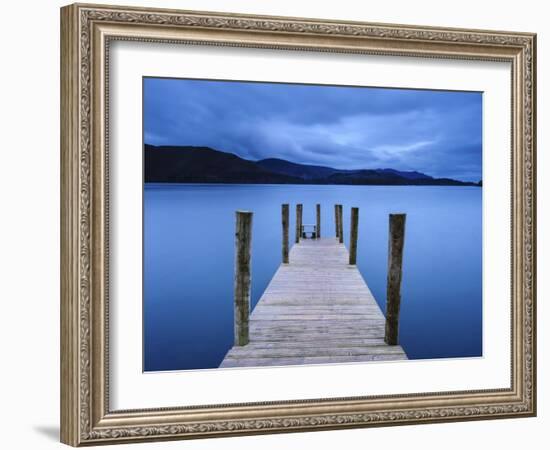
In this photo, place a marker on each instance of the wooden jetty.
(317, 309)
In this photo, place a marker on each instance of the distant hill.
(204, 165)
(303, 171)
(186, 164)
(413, 175)
(310, 173)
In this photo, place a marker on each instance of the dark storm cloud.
(435, 132)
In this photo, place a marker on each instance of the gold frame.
(86, 31)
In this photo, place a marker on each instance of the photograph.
(294, 224)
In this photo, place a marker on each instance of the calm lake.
(189, 262)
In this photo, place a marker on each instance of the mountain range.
(187, 164)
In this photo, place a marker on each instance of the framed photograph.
(276, 224)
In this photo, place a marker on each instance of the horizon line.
(312, 164)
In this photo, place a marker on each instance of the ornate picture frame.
(87, 32)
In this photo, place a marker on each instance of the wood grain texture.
(318, 221)
(336, 222)
(285, 221)
(353, 235)
(298, 223)
(316, 310)
(243, 239)
(395, 263)
(340, 224)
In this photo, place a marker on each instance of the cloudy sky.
(435, 132)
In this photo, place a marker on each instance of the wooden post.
(395, 261)
(243, 238)
(301, 218)
(354, 226)
(297, 227)
(341, 224)
(318, 233)
(285, 214)
(336, 220)
(298, 222)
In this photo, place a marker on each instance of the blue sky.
(435, 132)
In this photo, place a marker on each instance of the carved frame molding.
(86, 32)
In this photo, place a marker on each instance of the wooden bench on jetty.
(310, 229)
(317, 309)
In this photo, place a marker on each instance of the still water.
(189, 262)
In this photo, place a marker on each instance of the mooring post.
(318, 230)
(395, 263)
(354, 228)
(243, 238)
(298, 222)
(285, 216)
(297, 227)
(336, 220)
(341, 224)
(301, 219)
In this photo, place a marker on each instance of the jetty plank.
(317, 309)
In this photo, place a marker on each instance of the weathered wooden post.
(297, 226)
(336, 220)
(298, 222)
(301, 218)
(354, 228)
(243, 238)
(285, 214)
(318, 231)
(341, 224)
(395, 262)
